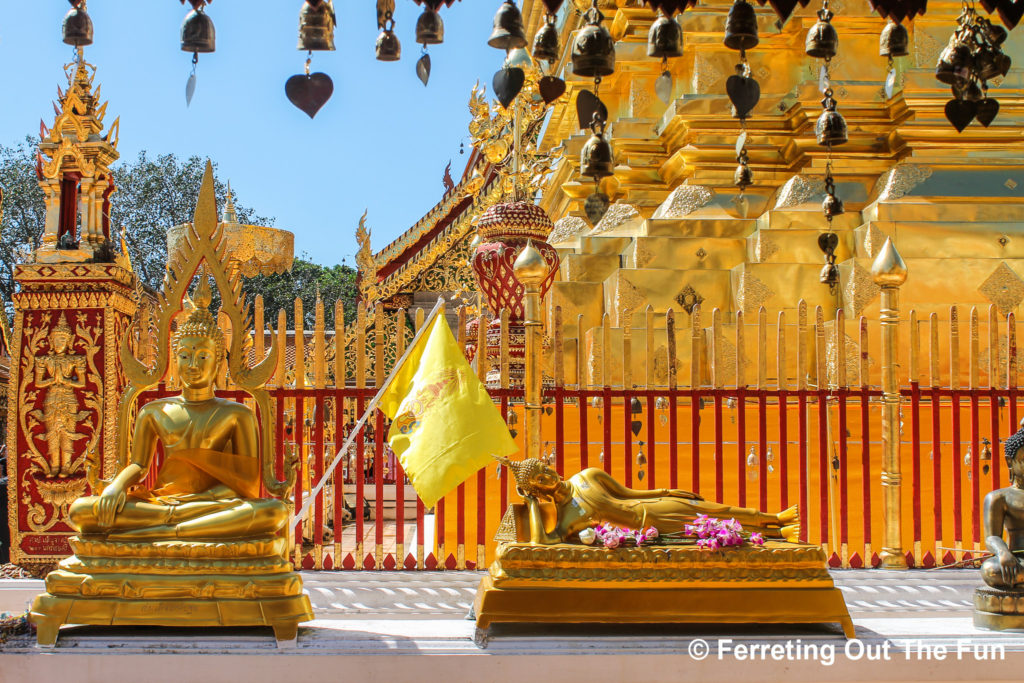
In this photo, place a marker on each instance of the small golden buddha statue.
(593, 497)
(209, 485)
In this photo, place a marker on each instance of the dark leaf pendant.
(423, 69)
(587, 104)
(988, 108)
(507, 83)
(960, 113)
(551, 88)
(744, 93)
(596, 206)
(309, 93)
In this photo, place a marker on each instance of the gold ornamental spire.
(73, 164)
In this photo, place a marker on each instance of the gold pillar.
(531, 269)
(889, 272)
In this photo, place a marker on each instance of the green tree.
(304, 280)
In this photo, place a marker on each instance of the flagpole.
(315, 491)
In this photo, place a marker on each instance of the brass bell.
(665, 39)
(743, 177)
(985, 65)
(429, 28)
(1003, 63)
(829, 275)
(593, 51)
(894, 41)
(545, 44)
(996, 34)
(741, 26)
(596, 158)
(197, 33)
(822, 40)
(830, 128)
(954, 64)
(509, 31)
(971, 92)
(832, 206)
(77, 27)
(316, 26)
(388, 48)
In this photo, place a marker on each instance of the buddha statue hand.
(1009, 567)
(109, 504)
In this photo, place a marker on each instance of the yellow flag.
(444, 425)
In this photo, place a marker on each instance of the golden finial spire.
(889, 267)
(230, 215)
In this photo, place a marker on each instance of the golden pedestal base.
(779, 583)
(172, 583)
(998, 610)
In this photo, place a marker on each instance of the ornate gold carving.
(851, 357)
(705, 74)
(628, 300)
(60, 402)
(364, 258)
(926, 48)
(683, 201)
(568, 228)
(860, 289)
(617, 216)
(899, 180)
(764, 247)
(1004, 288)
(689, 298)
(798, 190)
(752, 293)
(873, 240)
(639, 97)
(776, 563)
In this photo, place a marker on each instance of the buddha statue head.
(198, 345)
(533, 477)
(1013, 451)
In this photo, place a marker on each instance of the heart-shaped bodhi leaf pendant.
(987, 110)
(507, 83)
(309, 92)
(423, 69)
(744, 93)
(551, 88)
(596, 206)
(960, 113)
(587, 103)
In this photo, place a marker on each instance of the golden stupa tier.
(173, 583)
(571, 583)
(678, 232)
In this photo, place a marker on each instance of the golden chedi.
(202, 546)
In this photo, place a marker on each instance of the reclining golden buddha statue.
(593, 497)
(203, 546)
(543, 572)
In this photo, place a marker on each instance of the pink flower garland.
(713, 533)
(612, 536)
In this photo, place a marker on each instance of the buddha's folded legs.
(144, 520)
(992, 574)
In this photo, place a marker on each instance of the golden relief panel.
(60, 398)
(1004, 288)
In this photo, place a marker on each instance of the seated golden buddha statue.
(999, 604)
(1003, 511)
(558, 508)
(209, 485)
(202, 546)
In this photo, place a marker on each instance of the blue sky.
(381, 143)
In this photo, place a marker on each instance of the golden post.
(889, 272)
(530, 269)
